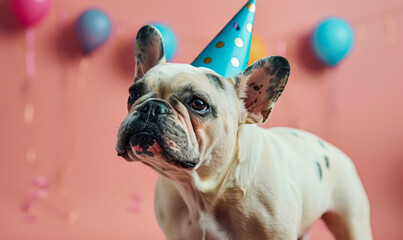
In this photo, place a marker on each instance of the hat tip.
(228, 53)
(251, 5)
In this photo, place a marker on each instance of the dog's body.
(223, 177)
(293, 179)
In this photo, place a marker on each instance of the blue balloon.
(93, 29)
(169, 39)
(332, 40)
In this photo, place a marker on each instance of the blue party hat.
(228, 53)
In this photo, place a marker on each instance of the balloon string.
(30, 52)
(82, 69)
(333, 98)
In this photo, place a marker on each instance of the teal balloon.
(169, 38)
(93, 28)
(332, 40)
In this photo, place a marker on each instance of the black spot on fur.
(294, 134)
(319, 170)
(327, 164)
(216, 80)
(321, 143)
(237, 80)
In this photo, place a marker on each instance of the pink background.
(75, 109)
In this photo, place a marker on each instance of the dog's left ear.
(149, 50)
(260, 85)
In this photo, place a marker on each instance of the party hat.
(228, 53)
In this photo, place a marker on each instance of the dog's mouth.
(141, 143)
(144, 144)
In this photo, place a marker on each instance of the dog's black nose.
(155, 107)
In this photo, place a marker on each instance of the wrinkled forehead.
(173, 76)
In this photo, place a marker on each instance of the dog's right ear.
(149, 50)
(260, 85)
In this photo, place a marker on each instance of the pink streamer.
(28, 205)
(30, 218)
(40, 191)
(32, 195)
(134, 206)
(30, 52)
(41, 182)
(28, 208)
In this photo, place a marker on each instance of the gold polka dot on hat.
(207, 60)
(220, 44)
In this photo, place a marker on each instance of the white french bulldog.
(223, 177)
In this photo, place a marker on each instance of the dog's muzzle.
(146, 131)
(143, 134)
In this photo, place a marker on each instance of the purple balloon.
(93, 28)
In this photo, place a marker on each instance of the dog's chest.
(222, 222)
(180, 221)
(203, 227)
(209, 228)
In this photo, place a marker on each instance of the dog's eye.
(199, 105)
(134, 95)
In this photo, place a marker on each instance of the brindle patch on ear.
(149, 49)
(261, 84)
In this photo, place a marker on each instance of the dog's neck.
(202, 194)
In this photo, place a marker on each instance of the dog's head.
(182, 118)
